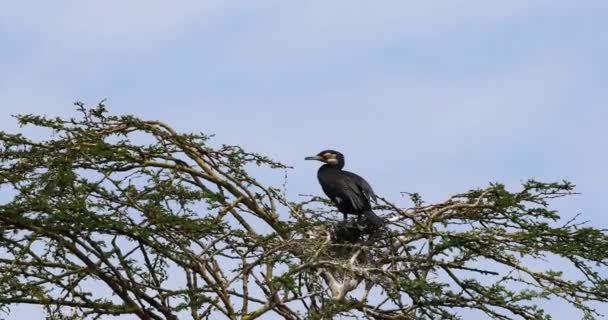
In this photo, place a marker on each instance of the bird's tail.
(372, 222)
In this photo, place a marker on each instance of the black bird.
(348, 191)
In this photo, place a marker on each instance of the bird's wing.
(359, 187)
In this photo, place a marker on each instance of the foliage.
(115, 215)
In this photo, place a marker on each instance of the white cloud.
(300, 33)
(111, 24)
(279, 28)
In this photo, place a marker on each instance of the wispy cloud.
(298, 34)
(109, 25)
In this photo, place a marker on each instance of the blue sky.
(450, 94)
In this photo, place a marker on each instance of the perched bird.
(348, 191)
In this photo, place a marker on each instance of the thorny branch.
(173, 228)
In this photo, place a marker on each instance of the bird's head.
(331, 157)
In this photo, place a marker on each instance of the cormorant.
(348, 191)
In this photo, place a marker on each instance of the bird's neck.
(328, 166)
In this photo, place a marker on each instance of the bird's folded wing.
(360, 192)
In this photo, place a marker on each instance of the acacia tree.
(119, 216)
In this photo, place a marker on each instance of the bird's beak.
(314, 158)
